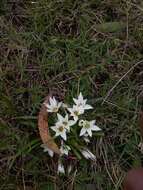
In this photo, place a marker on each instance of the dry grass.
(67, 46)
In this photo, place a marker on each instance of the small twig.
(121, 108)
(110, 91)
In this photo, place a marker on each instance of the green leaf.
(111, 27)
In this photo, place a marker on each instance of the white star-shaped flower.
(88, 127)
(60, 130)
(46, 149)
(76, 111)
(65, 121)
(53, 105)
(80, 102)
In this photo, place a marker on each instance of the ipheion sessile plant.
(71, 128)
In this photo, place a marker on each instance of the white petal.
(60, 117)
(92, 122)
(59, 104)
(89, 132)
(61, 168)
(51, 101)
(91, 155)
(71, 122)
(95, 128)
(85, 154)
(80, 97)
(49, 110)
(54, 128)
(46, 149)
(70, 110)
(57, 134)
(75, 101)
(68, 147)
(87, 107)
(49, 106)
(64, 136)
(83, 131)
(84, 102)
(51, 153)
(66, 117)
(55, 101)
(75, 118)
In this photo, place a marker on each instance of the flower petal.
(95, 128)
(89, 132)
(66, 117)
(88, 107)
(71, 122)
(54, 101)
(54, 128)
(83, 131)
(60, 117)
(75, 117)
(59, 104)
(61, 168)
(80, 97)
(64, 136)
(46, 149)
(75, 101)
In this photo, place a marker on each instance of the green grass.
(69, 46)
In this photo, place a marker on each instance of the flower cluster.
(70, 124)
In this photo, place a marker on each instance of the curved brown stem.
(44, 130)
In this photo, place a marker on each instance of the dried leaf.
(44, 131)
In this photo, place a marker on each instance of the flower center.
(76, 113)
(87, 126)
(61, 128)
(55, 109)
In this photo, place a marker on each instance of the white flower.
(80, 102)
(46, 149)
(88, 155)
(64, 149)
(65, 121)
(53, 105)
(60, 168)
(88, 127)
(60, 130)
(76, 111)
